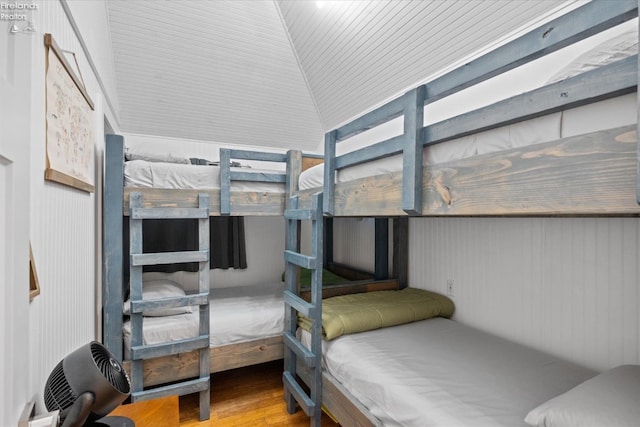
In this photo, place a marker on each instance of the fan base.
(113, 421)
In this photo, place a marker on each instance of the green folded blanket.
(347, 314)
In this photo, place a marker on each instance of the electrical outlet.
(450, 287)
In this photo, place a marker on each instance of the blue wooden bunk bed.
(591, 173)
(180, 366)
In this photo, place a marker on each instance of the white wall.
(567, 286)
(62, 219)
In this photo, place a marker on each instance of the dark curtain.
(226, 242)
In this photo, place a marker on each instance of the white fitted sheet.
(438, 372)
(238, 314)
(615, 112)
(142, 173)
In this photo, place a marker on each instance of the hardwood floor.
(250, 396)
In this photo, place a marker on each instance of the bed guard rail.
(585, 21)
(229, 172)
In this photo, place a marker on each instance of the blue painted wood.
(259, 176)
(585, 21)
(154, 304)
(294, 304)
(181, 389)
(256, 155)
(300, 260)
(381, 266)
(412, 153)
(330, 140)
(303, 353)
(293, 300)
(375, 151)
(166, 349)
(112, 245)
(204, 314)
(601, 83)
(225, 182)
(292, 386)
(135, 286)
(169, 213)
(298, 214)
(168, 257)
(380, 115)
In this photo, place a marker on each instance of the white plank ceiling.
(281, 73)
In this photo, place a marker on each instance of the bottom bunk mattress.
(438, 372)
(238, 314)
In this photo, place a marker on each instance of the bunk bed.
(165, 336)
(590, 172)
(163, 331)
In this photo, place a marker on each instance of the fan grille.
(110, 368)
(57, 393)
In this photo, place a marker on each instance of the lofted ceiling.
(280, 73)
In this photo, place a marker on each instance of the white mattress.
(236, 315)
(438, 372)
(615, 112)
(142, 173)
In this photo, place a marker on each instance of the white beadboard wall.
(64, 224)
(568, 286)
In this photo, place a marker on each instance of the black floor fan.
(86, 386)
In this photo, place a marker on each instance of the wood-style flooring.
(247, 397)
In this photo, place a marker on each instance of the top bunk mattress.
(438, 372)
(611, 113)
(152, 174)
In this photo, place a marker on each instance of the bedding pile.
(348, 314)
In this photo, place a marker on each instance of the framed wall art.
(69, 111)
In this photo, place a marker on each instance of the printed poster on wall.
(70, 136)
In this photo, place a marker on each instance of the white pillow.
(610, 399)
(161, 288)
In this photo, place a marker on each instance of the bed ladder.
(138, 259)
(295, 351)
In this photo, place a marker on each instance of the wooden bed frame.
(186, 365)
(595, 174)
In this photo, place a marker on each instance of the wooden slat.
(169, 213)
(185, 387)
(300, 395)
(166, 349)
(139, 306)
(185, 365)
(247, 203)
(356, 287)
(303, 353)
(274, 177)
(301, 306)
(300, 260)
(168, 257)
(112, 245)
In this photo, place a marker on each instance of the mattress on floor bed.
(438, 372)
(238, 314)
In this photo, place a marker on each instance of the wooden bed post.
(401, 250)
(330, 140)
(112, 256)
(328, 242)
(381, 270)
(412, 151)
